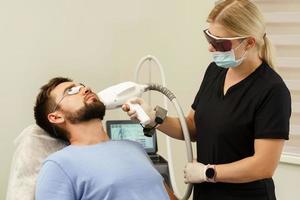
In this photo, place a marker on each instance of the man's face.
(77, 103)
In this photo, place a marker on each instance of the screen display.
(132, 132)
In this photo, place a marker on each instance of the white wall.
(287, 180)
(99, 43)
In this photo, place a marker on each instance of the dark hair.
(45, 105)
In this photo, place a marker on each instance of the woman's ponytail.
(267, 52)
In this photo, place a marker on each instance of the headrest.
(33, 146)
(36, 132)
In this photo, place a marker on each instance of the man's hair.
(45, 105)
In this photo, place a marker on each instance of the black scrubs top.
(227, 125)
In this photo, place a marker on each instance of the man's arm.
(53, 184)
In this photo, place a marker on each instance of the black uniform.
(227, 125)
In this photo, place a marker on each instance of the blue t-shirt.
(112, 170)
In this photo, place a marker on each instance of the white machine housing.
(117, 95)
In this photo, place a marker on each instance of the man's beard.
(94, 110)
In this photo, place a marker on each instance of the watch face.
(210, 173)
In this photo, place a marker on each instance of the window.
(283, 28)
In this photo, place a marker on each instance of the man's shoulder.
(59, 156)
(132, 143)
(128, 144)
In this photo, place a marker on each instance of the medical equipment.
(115, 96)
(153, 60)
(150, 60)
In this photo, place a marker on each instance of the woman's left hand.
(194, 172)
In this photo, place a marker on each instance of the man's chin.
(92, 110)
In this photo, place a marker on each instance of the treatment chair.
(33, 145)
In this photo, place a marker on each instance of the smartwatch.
(210, 173)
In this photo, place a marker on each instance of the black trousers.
(257, 190)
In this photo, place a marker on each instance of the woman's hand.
(194, 172)
(132, 113)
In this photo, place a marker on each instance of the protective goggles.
(69, 91)
(220, 44)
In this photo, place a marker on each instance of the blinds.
(283, 28)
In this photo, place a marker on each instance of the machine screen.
(128, 130)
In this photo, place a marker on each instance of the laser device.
(115, 96)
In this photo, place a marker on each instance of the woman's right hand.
(132, 113)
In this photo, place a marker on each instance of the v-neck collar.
(240, 83)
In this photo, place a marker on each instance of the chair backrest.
(33, 145)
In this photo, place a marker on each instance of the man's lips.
(90, 96)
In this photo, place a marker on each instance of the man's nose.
(86, 90)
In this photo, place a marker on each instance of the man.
(91, 167)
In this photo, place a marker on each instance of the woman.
(240, 115)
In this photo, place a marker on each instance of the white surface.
(296, 107)
(295, 130)
(293, 85)
(287, 174)
(291, 151)
(285, 40)
(290, 158)
(282, 17)
(287, 181)
(289, 62)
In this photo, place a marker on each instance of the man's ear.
(56, 118)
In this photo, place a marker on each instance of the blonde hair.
(243, 18)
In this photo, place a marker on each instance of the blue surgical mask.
(227, 59)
